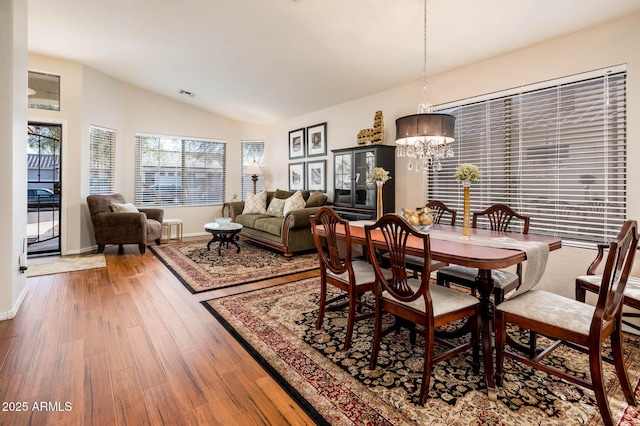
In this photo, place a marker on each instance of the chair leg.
(621, 370)
(158, 242)
(120, 248)
(142, 248)
(377, 336)
(353, 307)
(500, 336)
(428, 364)
(476, 331)
(100, 248)
(595, 367)
(323, 302)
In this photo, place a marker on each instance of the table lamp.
(254, 170)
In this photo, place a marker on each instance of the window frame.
(107, 161)
(245, 159)
(186, 171)
(517, 154)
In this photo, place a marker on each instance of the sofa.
(117, 222)
(288, 231)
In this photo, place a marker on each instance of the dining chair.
(414, 301)
(579, 325)
(591, 282)
(499, 217)
(440, 209)
(353, 276)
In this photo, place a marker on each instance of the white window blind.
(251, 150)
(556, 153)
(179, 171)
(102, 149)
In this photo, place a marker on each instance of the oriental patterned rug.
(277, 326)
(199, 269)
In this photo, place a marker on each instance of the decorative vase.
(379, 206)
(466, 215)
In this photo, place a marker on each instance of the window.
(251, 150)
(174, 171)
(43, 91)
(102, 148)
(556, 152)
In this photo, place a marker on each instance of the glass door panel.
(365, 188)
(43, 188)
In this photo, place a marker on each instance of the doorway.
(44, 189)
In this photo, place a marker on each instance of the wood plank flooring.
(129, 345)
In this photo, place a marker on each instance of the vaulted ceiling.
(263, 61)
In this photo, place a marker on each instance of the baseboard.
(12, 313)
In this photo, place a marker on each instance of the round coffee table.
(224, 233)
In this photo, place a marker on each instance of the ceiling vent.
(186, 93)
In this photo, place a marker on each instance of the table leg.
(213, 239)
(484, 284)
(234, 240)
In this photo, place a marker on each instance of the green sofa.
(289, 234)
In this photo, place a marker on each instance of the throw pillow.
(295, 202)
(275, 207)
(282, 194)
(317, 199)
(255, 203)
(124, 208)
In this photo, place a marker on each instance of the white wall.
(13, 172)
(90, 97)
(605, 45)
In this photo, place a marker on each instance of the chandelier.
(425, 137)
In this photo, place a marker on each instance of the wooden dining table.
(472, 253)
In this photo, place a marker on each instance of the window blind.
(251, 150)
(175, 171)
(102, 149)
(556, 153)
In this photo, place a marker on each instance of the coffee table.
(224, 233)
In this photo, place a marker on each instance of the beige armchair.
(129, 227)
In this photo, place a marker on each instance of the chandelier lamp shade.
(254, 169)
(425, 136)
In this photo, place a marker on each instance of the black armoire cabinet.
(354, 193)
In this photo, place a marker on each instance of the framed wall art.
(317, 175)
(296, 144)
(317, 140)
(296, 176)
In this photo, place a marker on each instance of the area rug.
(199, 269)
(59, 264)
(277, 326)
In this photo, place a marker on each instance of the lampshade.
(253, 169)
(415, 128)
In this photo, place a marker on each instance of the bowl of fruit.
(421, 218)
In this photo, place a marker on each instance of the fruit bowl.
(223, 220)
(420, 219)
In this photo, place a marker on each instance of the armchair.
(133, 227)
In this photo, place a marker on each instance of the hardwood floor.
(129, 345)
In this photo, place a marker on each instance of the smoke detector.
(186, 93)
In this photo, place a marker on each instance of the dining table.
(478, 251)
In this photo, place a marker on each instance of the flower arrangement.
(466, 172)
(380, 174)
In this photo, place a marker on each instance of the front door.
(43, 188)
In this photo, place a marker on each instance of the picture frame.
(317, 175)
(317, 140)
(296, 176)
(296, 143)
